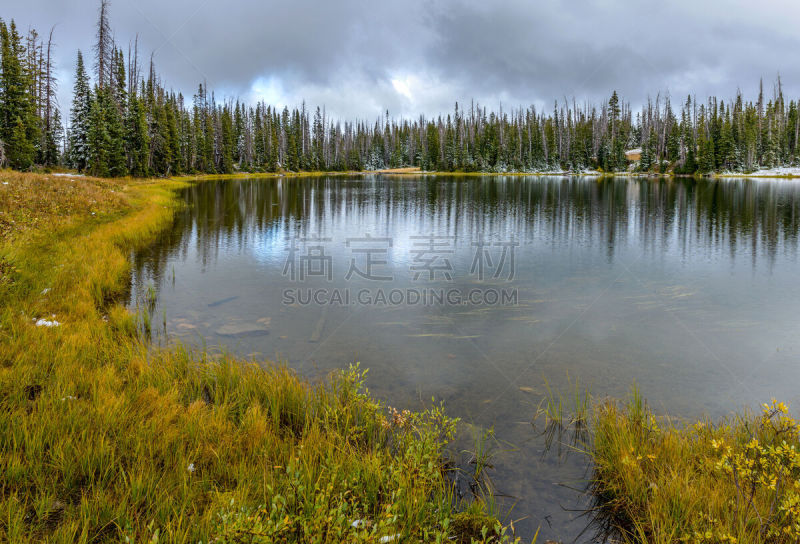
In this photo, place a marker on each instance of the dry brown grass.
(407, 170)
(34, 201)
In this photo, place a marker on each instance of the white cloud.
(268, 89)
(402, 87)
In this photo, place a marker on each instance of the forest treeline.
(124, 121)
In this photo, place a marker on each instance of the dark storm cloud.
(546, 50)
(419, 56)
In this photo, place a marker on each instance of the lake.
(482, 292)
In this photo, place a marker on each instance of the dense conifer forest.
(123, 120)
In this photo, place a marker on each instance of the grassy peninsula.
(105, 440)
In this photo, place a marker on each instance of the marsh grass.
(105, 438)
(481, 461)
(563, 418)
(658, 480)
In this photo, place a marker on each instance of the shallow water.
(688, 289)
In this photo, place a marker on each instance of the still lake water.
(690, 290)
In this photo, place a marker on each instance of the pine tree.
(173, 140)
(432, 155)
(97, 138)
(274, 143)
(226, 166)
(159, 150)
(726, 152)
(19, 127)
(19, 150)
(137, 140)
(673, 143)
(618, 159)
(614, 113)
(80, 115)
(53, 139)
(646, 162)
(209, 164)
(318, 142)
(705, 145)
(114, 105)
(116, 159)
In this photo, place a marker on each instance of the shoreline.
(89, 406)
(108, 437)
(422, 173)
(416, 172)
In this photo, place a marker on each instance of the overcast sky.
(361, 57)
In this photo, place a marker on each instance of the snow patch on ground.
(67, 175)
(781, 171)
(47, 323)
(581, 172)
(41, 322)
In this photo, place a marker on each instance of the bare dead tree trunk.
(49, 87)
(103, 46)
(133, 67)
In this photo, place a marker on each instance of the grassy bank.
(102, 439)
(660, 481)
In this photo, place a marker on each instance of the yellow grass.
(104, 439)
(662, 482)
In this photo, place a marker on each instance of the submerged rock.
(222, 301)
(242, 330)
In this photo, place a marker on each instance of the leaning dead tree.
(104, 46)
